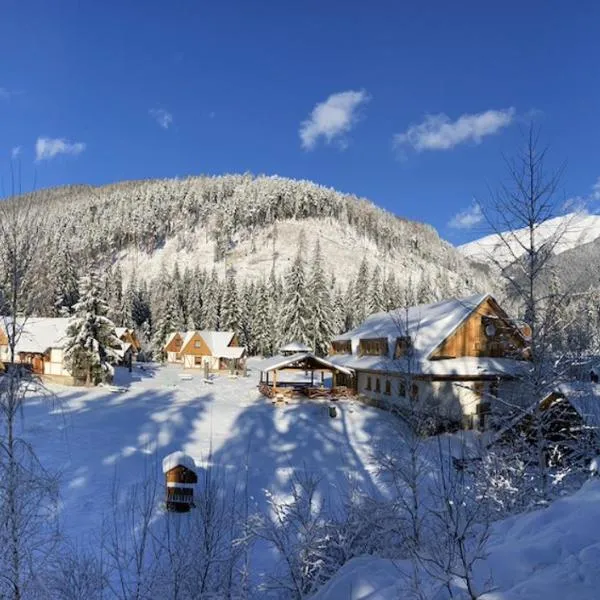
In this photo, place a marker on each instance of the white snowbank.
(549, 554)
(176, 459)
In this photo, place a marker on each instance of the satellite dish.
(490, 330)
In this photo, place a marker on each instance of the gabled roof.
(428, 325)
(281, 362)
(171, 337)
(217, 342)
(295, 347)
(37, 335)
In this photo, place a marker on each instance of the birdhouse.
(181, 478)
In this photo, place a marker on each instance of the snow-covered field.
(96, 437)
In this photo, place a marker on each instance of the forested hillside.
(234, 251)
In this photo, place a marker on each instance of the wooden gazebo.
(295, 375)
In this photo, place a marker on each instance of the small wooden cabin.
(181, 479)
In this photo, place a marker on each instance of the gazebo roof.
(300, 360)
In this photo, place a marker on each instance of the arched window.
(369, 382)
(388, 388)
(377, 385)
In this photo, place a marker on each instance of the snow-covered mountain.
(571, 231)
(247, 223)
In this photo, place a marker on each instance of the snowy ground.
(95, 437)
(549, 554)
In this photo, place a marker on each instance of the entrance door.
(37, 364)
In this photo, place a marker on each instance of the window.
(484, 411)
(388, 388)
(197, 360)
(198, 344)
(494, 388)
(341, 347)
(369, 383)
(478, 388)
(414, 392)
(401, 388)
(403, 345)
(377, 385)
(373, 347)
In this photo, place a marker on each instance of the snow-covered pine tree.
(360, 298)
(247, 310)
(166, 322)
(295, 312)
(263, 321)
(90, 348)
(230, 307)
(376, 299)
(211, 295)
(320, 315)
(391, 293)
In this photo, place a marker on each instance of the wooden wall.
(470, 338)
(175, 344)
(201, 350)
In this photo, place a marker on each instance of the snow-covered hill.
(245, 222)
(549, 554)
(571, 231)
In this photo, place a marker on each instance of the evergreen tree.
(230, 306)
(263, 321)
(391, 293)
(360, 306)
(211, 305)
(376, 299)
(167, 322)
(90, 348)
(320, 314)
(295, 312)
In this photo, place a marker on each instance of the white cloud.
(47, 148)
(333, 118)
(467, 218)
(162, 117)
(4, 93)
(438, 132)
(15, 152)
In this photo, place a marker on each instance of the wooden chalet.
(194, 349)
(301, 373)
(452, 357)
(40, 347)
(129, 340)
(569, 420)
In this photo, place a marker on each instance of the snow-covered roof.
(39, 334)
(281, 362)
(120, 331)
(465, 366)
(122, 350)
(217, 342)
(295, 347)
(171, 336)
(177, 459)
(428, 325)
(584, 397)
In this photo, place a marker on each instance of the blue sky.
(408, 104)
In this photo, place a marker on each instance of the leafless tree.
(516, 213)
(27, 492)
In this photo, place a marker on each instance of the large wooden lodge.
(453, 356)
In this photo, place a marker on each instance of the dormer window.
(341, 347)
(373, 347)
(403, 345)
